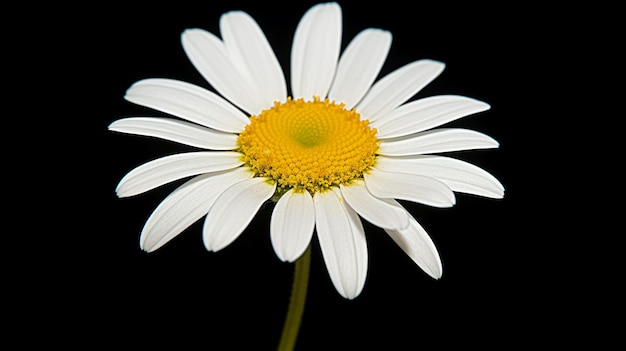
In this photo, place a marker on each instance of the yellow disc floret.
(310, 145)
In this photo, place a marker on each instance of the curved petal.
(427, 113)
(233, 210)
(397, 87)
(185, 205)
(254, 58)
(176, 131)
(384, 213)
(360, 242)
(437, 140)
(315, 51)
(342, 240)
(189, 102)
(171, 168)
(359, 66)
(209, 55)
(292, 224)
(459, 175)
(416, 243)
(405, 186)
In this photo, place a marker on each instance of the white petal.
(384, 213)
(397, 87)
(343, 244)
(360, 242)
(210, 57)
(171, 168)
(177, 131)
(459, 175)
(419, 247)
(359, 65)
(405, 186)
(315, 51)
(426, 113)
(233, 210)
(292, 224)
(437, 140)
(251, 53)
(189, 102)
(185, 205)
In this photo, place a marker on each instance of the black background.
(513, 271)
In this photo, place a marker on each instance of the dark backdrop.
(502, 259)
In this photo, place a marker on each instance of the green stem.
(296, 303)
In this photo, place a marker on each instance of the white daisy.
(338, 148)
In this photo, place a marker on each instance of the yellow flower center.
(308, 145)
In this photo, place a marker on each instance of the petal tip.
(287, 257)
(189, 34)
(190, 31)
(207, 244)
(382, 32)
(113, 125)
(213, 245)
(349, 295)
(434, 270)
(440, 64)
(120, 191)
(436, 275)
(143, 247)
(330, 4)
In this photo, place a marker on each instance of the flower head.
(339, 148)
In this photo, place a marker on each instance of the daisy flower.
(340, 147)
